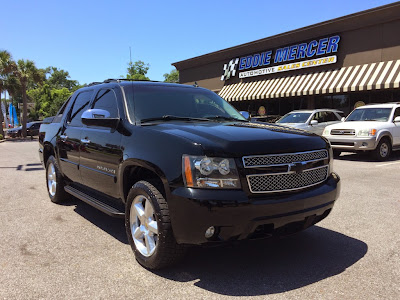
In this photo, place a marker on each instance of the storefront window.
(381, 96)
(341, 102)
(323, 101)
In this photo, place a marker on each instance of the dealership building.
(341, 63)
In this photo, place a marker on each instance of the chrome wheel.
(143, 225)
(384, 150)
(51, 179)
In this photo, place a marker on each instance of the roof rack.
(119, 80)
(94, 83)
(126, 79)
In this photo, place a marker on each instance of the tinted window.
(59, 115)
(157, 101)
(80, 105)
(106, 100)
(330, 117)
(396, 113)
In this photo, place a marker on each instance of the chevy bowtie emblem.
(341, 131)
(297, 167)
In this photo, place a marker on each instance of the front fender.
(133, 162)
(384, 133)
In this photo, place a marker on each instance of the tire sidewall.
(141, 189)
(58, 196)
(378, 149)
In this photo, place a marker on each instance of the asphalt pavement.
(73, 251)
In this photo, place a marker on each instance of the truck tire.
(55, 183)
(336, 153)
(148, 227)
(383, 150)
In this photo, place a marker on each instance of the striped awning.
(373, 76)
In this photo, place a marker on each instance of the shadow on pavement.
(252, 268)
(27, 139)
(113, 226)
(269, 266)
(367, 157)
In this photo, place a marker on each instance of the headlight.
(366, 132)
(326, 132)
(210, 172)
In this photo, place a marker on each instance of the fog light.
(364, 144)
(209, 232)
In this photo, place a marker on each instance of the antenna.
(130, 55)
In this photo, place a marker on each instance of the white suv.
(374, 127)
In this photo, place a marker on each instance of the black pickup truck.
(183, 167)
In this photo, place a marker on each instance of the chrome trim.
(287, 190)
(283, 154)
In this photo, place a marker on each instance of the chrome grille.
(280, 159)
(343, 132)
(267, 183)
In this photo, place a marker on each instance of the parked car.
(311, 120)
(374, 128)
(183, 167)
(32, 129)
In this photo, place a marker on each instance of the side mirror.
(100, 118)
(397, 119)
(245, 114)
(313, 122)
(342, 119)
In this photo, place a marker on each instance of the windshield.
(294, 118)
(370, 114)
(150, 103)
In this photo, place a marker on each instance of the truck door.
(396, 128)
(101, 151)
(69, 137)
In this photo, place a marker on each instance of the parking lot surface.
(73, 251)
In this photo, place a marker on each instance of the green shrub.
(1, 137)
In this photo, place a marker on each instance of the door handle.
(85, 141)
(63, 137)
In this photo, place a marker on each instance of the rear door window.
(80, 105)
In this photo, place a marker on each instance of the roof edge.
(194, 61)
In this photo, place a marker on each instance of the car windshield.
(370, 114)
(163, 103)
(298, 117)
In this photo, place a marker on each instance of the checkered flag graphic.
(230, 69)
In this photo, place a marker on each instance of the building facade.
(341, 63)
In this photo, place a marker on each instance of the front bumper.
(353, 143)
(238, 217)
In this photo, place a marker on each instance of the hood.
(358, 125)
(242, 138)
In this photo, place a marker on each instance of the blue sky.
(91, 39)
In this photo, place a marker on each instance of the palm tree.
(26, 72)
(6, 67)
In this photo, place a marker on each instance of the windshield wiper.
(226, 118)
(171, 117)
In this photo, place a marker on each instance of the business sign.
(283, 59)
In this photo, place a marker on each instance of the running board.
(105, 208)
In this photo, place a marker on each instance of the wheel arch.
(133, 171)
(384, 134)
(48, 150)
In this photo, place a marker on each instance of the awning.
(373, 76)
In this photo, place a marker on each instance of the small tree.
(172, 76)
(27, 73)
(137, 70)
(7, 66)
